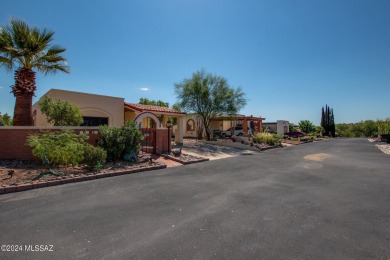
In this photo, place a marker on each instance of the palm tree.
(26, 49)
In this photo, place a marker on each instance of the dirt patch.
(166, 161)
(317, 157)
(23, 172)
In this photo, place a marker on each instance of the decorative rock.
(385, 148)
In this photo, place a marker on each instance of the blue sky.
(291, 57)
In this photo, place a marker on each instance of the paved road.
(335, 204)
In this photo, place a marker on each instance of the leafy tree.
(319, 130)
(370, 128)
(209, 96)
(26, 49)
(5, 119)
(60, 113)
(291, 127)
(365, 128)
(344, 130)
(327, 121)
(383, 126)
(357, 130)
(176, 107)
(159, 103)
(307, 126)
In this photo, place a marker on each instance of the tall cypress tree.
(332, 124)
(322, 119)
(327, 121)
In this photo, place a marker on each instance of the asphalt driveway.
(326, 200)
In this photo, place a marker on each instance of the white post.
(180, 130)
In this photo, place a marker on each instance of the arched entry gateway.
(148, 123)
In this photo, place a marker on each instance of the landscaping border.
(77, 178)
(177, 159)
(239, 145)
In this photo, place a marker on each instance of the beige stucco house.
(113, 111)
(92, 106)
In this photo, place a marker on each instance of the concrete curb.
(237, 145)
(42, 184)
(185, 162)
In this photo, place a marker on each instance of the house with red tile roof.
(193, 125)
(113, 111)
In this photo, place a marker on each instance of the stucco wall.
(89, 104)
(282, 127)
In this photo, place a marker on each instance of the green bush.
(307, 138)
(94, 156)
(118, 141)
(59, 148)
(267, 138)
(60, 113)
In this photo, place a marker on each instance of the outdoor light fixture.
(169, 125)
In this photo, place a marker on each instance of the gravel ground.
(385, 148)
(213, 152)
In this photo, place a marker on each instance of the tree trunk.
(23, 90)
(23, 110)
(206, 125)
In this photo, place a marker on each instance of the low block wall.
(13, 140)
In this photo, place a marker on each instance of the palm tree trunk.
(23, 110)
(23, 90)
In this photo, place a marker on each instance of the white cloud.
(144, 89)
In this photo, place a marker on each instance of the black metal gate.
(148, 145)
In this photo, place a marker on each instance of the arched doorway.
(148, 123)
(147, 120)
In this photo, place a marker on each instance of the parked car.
(216, 132)
(238, 131)
(295, 134)
(385, 138)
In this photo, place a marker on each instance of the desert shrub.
(314, 135)
(117, 141)
(306, 138)
(267, 138)
(94, 156)
(59, 148)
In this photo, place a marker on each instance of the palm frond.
(51, 69)
(5, 62)
(29, 47)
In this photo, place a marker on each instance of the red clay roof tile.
(143, 108)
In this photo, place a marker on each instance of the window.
(94, 121)
(190, 125)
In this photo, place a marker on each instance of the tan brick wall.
(13, 140)
(162, 141)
